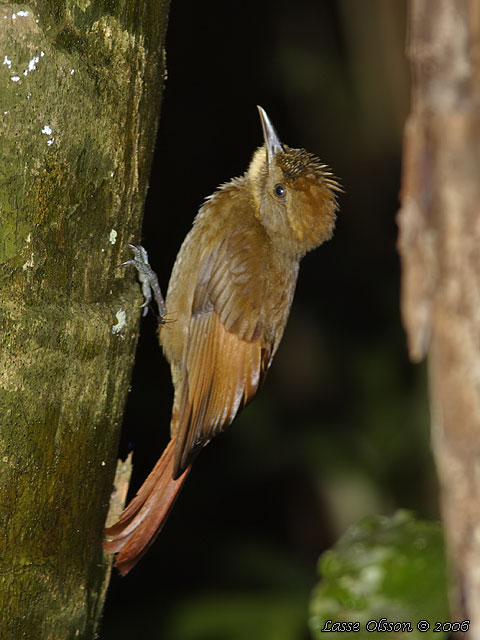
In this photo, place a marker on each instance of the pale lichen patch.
(29, 264)
(121, 317)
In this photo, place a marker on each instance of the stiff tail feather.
(144, 517)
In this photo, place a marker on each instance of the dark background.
(340, 428)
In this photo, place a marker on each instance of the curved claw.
(148, 280)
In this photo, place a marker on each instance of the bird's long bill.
(272, 141)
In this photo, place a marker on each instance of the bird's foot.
(148, 280)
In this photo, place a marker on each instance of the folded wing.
(228, 350)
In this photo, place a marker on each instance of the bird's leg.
(148, 280)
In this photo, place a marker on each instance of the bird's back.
(228, 302)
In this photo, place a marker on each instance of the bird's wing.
(228, 350)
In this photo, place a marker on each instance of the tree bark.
(80, 89)
(439, 244)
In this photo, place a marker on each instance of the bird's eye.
(279, 190)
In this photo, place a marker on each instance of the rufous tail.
(144, 517)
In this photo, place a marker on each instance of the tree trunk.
(80, 88)
(440, 248)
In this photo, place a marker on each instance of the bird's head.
(292, 192)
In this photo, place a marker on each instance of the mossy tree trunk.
(80, 88)
(440, 249)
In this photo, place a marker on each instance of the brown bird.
(229, 297)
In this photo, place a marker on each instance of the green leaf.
(383, 568)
